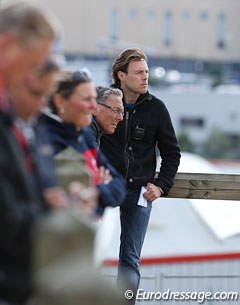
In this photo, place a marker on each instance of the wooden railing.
(206, 186)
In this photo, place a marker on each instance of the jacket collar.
(96, 128)
(66, 130)
(6, 118)
(141, 98)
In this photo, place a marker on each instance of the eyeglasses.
(116, 110)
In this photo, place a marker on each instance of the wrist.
(161, 190)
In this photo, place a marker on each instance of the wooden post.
(70, 167)
(63, 263)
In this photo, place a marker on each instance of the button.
(130, 148)
(130, 180)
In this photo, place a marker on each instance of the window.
(114, 25)
(185, 15)
(221, 31)
(204, 16)
(150, 14)
(192, 122)
(132, 13)
(167, 28)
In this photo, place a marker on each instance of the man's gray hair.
(104, 92)
(28, 22)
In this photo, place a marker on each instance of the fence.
(192, 274)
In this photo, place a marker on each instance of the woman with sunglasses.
(70, 112)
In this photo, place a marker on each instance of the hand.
(104, 175)
(84, 197)
(55, 197)
(153, 192)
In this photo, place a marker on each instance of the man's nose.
(120, 116)
(145, 75)
(93, 104)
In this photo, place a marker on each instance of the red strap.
(92, 164)
(22, 141)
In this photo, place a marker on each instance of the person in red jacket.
(71, 108)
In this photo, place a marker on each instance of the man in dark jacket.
(26, 36)
(24, 169)
(131, 150)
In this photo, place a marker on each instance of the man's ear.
(9, 48)
(121, 75)
(58, 102)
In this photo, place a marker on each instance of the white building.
(171, 29)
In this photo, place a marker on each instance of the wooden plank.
(206, 186)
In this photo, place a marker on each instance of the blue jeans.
(134, 221)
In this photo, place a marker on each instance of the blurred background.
(194, 60)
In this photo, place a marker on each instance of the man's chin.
(143, 90)
(111, 131)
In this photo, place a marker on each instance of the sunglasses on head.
(71, 79)
(80, 75)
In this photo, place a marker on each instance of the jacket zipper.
(126, 125)
(126, 137)
(126, 133)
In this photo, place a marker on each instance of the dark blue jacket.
(64, 135)
(44, 158)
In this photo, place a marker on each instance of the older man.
(108, 113)
(26, 36)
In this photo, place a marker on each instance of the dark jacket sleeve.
(17, 217)
(169, 152)
(44, 158)
(18, 210)
(112, 193)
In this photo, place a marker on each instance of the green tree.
(217, 145)
(216, 72)
(184, 141)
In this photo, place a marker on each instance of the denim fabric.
(134, 222)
